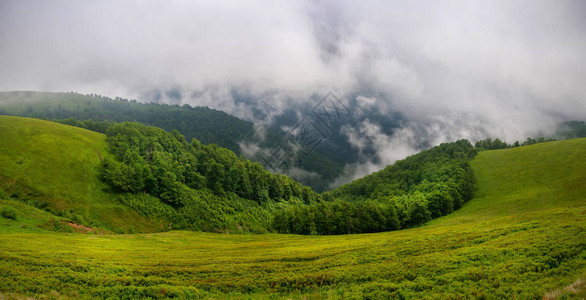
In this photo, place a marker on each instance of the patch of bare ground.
(576, 288)
(78, 227)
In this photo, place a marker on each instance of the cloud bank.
(454, 69)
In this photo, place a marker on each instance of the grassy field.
(523, 237)
(54, 166)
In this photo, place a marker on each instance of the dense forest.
(406, 194)
(206, 187)
(198, 186)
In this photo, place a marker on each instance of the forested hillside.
(138, 178)
(205, 187)
(152, 162)
(57, 168)
(407, 194)
(200, 187)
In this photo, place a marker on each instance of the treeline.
(490, 144)
(406, 194)
(565, 130)
(97, 126)
(571, 130)
(193, 182)
(338, 217)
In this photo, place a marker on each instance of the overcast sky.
(454, 68)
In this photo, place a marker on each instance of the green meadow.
(522, 237)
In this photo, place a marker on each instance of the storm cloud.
(453, 69)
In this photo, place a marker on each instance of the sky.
(453, 69)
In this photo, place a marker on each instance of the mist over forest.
(414, 75)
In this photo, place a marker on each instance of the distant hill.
(205, 124)
(571, 130)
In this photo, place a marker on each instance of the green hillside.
(162, 181)
(526, 179)
(522, 237)
(55, 167)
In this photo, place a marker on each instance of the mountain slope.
(526, 179)
(178, 185)
(523, 237)
(54, 166)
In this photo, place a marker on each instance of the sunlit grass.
(525, 255)
(523, 179)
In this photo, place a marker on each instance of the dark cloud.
(453, 69)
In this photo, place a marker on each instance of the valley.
(522, 236)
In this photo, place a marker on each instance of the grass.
(524, 256)
(525, 179)
(55, 167)
(523, 237)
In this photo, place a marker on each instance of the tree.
(419, 213)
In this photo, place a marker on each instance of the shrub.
(3, 194)
(77, 218)
(8, 212)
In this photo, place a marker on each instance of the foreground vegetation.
(523, 236)
(524, 256)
